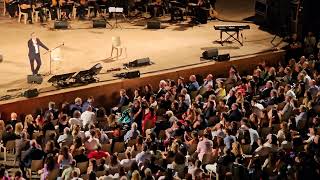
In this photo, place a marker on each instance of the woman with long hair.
(63, 123)
(147, 91)
(18, 129)
(64, 157)
(49, 166)
(77, 143)
(114, 164)
(93, 167)
(149, 119)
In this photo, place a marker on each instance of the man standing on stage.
(34, 52)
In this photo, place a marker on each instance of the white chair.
(74, 12)
(4, 8)
(116, 44)
(35, 15)
(89, 11)
(8, 149)
(212, 168)
(47, 12)
(25, 15)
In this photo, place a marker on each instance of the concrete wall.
(107, 93)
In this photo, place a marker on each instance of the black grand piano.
(232, 31)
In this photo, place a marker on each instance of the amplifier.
(132, 74)
(61, 24)
(34, 79)
(153, 25)
(210, 53)
(99, 23)
(140, 62)
(31, 93)
(223, 57)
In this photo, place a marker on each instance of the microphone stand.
(51, 57)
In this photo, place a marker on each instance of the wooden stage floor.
(173, 46)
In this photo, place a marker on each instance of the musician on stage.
(11, 7)
(81, 9)
(26, 7)
(104, 4)
(38, 7)
(95, 6)
(53, 7)
(34, 52)
(200, 10)
(155, 8)
(66, 7)
(177, 9)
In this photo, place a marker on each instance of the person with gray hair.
(34, 45)
(132, 133)
(66, 137)
(76, 120)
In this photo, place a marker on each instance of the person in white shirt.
(187, 98)
(143, 155)
(76, 120)
(92, 143)
(88, 117)
(208, 81)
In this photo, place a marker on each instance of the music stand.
(51, 56)
(116, 11)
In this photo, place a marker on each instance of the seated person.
(95, 6)
(25, 6)
(98, 154)
(12, 7)
(156, 8)
(177, 9)
(33, 153)
(66, 8)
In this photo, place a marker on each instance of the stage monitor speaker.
(100, 23)
(153, 24)
(140, 62)
(34, 79)
(132, 74)
(31, 93)
(210, 53)
(223, 57)
(61, 24)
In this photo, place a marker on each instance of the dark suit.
(31, 154)
(33, 55)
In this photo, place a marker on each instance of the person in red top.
(98, 154)
(148, 116)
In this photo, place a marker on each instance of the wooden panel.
(107, 93)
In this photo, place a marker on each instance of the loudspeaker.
(210, 53)
(132, 74)
(99, 23)
(223, 57)
(153, 25)
(31, 93)
(140, 62)
(34, 79)
(61, 24)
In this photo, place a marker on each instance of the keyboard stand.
(232, 34)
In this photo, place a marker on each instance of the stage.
(174, 46)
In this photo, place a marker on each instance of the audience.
(259, 126)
